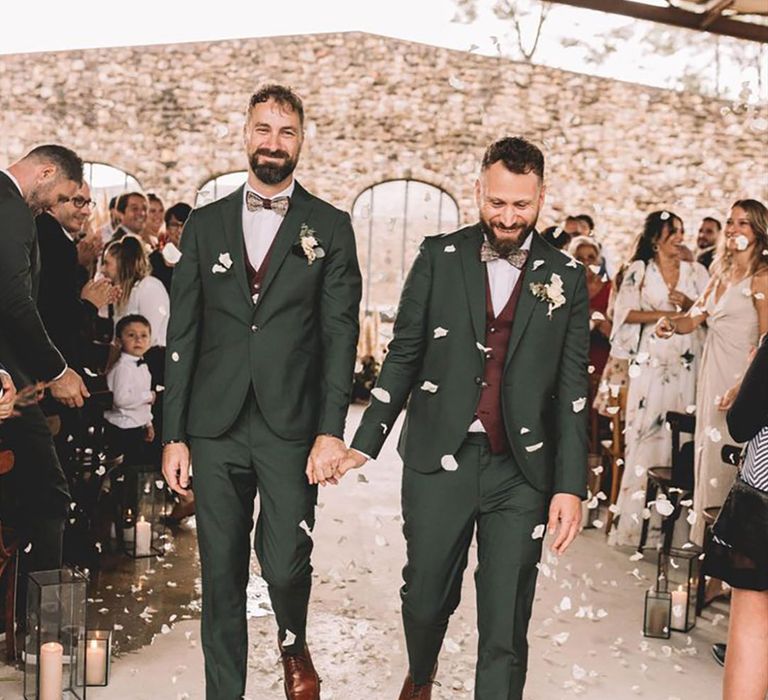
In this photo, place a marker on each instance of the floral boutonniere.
(309, 245)
(223, 264)
(552, 293)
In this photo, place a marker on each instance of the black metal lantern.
(658, 614)
(679, 570)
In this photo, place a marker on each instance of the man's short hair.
(518, 155)
(122, 200)
(128, 320)
(113, 202)
(587, 219)
(67, 162)
(152, 197)
(283, 96)
(715, 221)
(179, 211)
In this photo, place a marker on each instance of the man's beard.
(39, 198)
(269, 173)
(506, 246)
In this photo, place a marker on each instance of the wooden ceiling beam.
(676, 18)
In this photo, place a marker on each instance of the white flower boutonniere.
(552, 292)
(223, 264)
(310, 245)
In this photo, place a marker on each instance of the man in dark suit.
(133, 208)
(490, 343)
(260, 357)
(67, 311)
(706, 240)
(35, 494)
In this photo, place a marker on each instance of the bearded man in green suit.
(260, 357)
(490, 350)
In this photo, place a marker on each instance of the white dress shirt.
(502, 278)
(150, 299)
(260, 227)
(131, 387)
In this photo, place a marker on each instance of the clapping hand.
(8, 396)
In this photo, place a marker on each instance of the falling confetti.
(381, 394)
(533, 448)
(538, 532)
(429, 386)
(439, 332)
(579, 404)
(449, 463)
(450, 248)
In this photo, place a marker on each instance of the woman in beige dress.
(735, 308)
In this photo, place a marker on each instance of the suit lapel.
(233, 227)
(288, 234)
(474, 279)
(538, 259)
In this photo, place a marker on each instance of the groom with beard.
(260, 357)
(490, 352)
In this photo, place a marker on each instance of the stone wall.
(381, 108)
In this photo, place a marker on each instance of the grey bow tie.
(279, 205)
(517, 257)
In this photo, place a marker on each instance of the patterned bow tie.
(517, 257)
(279, 205)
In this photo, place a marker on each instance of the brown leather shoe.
(301, 681)
(411, 691)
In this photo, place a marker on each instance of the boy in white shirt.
(129, 421)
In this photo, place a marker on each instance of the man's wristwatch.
(173, 442)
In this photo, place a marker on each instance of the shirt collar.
(287, 192)
(13, 180)
(127, 357)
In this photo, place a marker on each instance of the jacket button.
(478, 380)
(254, 328)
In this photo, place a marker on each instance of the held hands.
(330, 461)
(564, 521)
(69, 389)
(176, 467)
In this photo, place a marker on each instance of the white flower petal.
(171, 254)
(439, 332)
(482, 348)
(664, 507)
(533, 448)
(538, 532)
(381, 394)
(449, 463)
(579, 404)
(536, 264)
(429, 386)
(565, 603)
(524, 431)
(225, 259)
(290, 638)
(572, 263)
(450, 248)
(175, 356)
(303, 525)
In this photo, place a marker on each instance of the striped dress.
(755, 469)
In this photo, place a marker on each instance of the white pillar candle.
(679, 607)
(143, 538)
(96, 663)
(51, 671)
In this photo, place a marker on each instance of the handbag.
(743, 522)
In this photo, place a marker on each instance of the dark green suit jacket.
(296, 346)
(25, 348)
(545, 368)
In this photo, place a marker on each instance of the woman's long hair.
(654, 226)
(758, 218)
(132, 265)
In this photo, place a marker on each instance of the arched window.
(390, 219)
(106, 182)
(220, 187)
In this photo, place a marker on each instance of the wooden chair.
(676, 481)
(615, 453)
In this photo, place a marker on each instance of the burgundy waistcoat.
(498, 331)
(256, 277)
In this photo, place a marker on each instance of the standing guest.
(737, 553)
(126, 265)
(571, 226)
(261, 353)
(735, 308)
(108, 229)
(133, 208)
(662, 374)
(495, 441)
(35, 494)
(67, 310)
(129, 422)
(706, 241)
(556, 237)
(166, 256)
(585, 224)
(151, 232)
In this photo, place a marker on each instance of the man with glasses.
(66, 307)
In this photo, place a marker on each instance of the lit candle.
(51, 671)
(96, 663)
(143, 538)
(129, 531)
(679, 607)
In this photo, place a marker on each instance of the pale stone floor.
(593, 650)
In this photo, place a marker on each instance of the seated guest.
(133, 208)
(67, 310)
(706, 241)
(738, 551)
(108, 229)
(165, 257)
(129, 422)
(150, 234)
(662, 374)
(126, 265)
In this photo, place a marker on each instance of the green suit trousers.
(442, 511)
(229, 471)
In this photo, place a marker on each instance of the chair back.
(682, 453)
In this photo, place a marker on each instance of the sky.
(92, 23)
